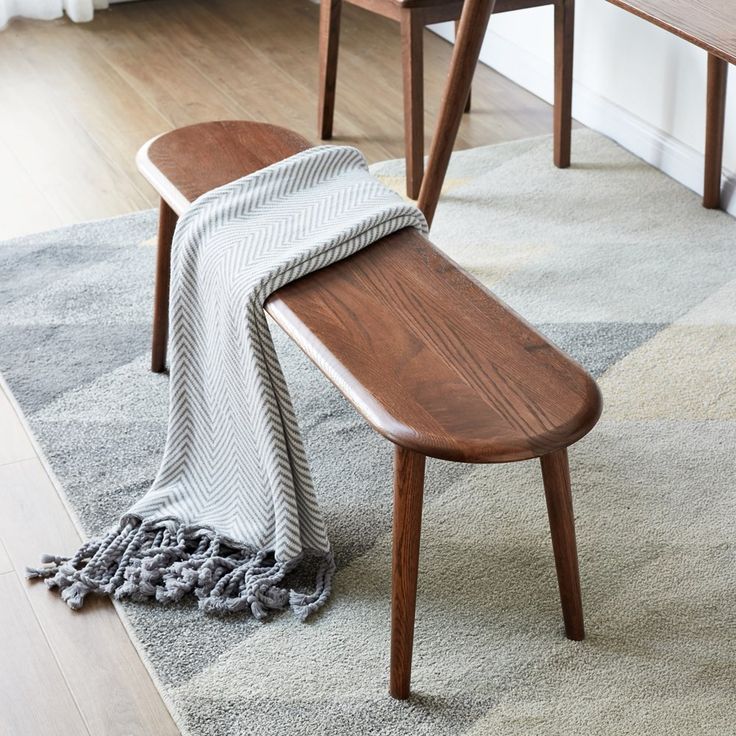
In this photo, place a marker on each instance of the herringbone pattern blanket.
(232, 510)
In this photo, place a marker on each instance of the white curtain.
(78, 10)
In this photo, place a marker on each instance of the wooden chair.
(460, 375)
(412, 16)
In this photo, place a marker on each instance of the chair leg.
(556, 475)
(564, 43)
(473, 25)
(166, 224)
(470, 93)
(408, 492)
(412, 28)
(716, 118)
(329, 37)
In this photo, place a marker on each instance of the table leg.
(716, 115)
(329, 39)
(471, 32)
(564, 40)
(412, 59)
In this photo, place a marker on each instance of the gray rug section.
(603, 257)
(598, 345)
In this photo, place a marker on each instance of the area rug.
(621, 267)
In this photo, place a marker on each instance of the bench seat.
(391, 324)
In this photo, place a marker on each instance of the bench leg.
(556, 475)
(412, 58)
(716, 117)
(329, 38)
(408, 492)
(166, 224)
(564, 41)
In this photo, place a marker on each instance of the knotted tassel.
(164, 560)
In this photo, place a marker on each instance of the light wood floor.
(77, 102)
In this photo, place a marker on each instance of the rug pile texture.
(622, 268)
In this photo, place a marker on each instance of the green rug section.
(621, 267)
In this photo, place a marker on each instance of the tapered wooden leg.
(564, 42)
(716, 116)
(408, 492)
(329, 36)
(166, 224)
(470, 94)
(472, 30)
(556, 475)
(412, 57)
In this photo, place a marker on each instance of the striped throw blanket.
(232, 510)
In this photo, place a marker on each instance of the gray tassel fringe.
(166, 561)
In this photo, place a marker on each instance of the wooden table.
(709, 24)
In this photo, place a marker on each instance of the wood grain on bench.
(484, 385)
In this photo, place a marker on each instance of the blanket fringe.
(166, 561)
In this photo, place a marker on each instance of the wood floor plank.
(120, 699)
(14, 442)
(34, 697)
(55, 149)
(233, 65)
(78, 79)
(154, 66)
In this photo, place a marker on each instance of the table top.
(710, 24)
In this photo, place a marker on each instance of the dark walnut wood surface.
(430, 358)
(185, 163)
(710, 24)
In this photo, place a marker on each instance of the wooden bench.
(428, 356)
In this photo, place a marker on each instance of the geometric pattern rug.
(616, 263)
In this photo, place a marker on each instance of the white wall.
(634, 82)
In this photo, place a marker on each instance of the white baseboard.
(654, 146)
